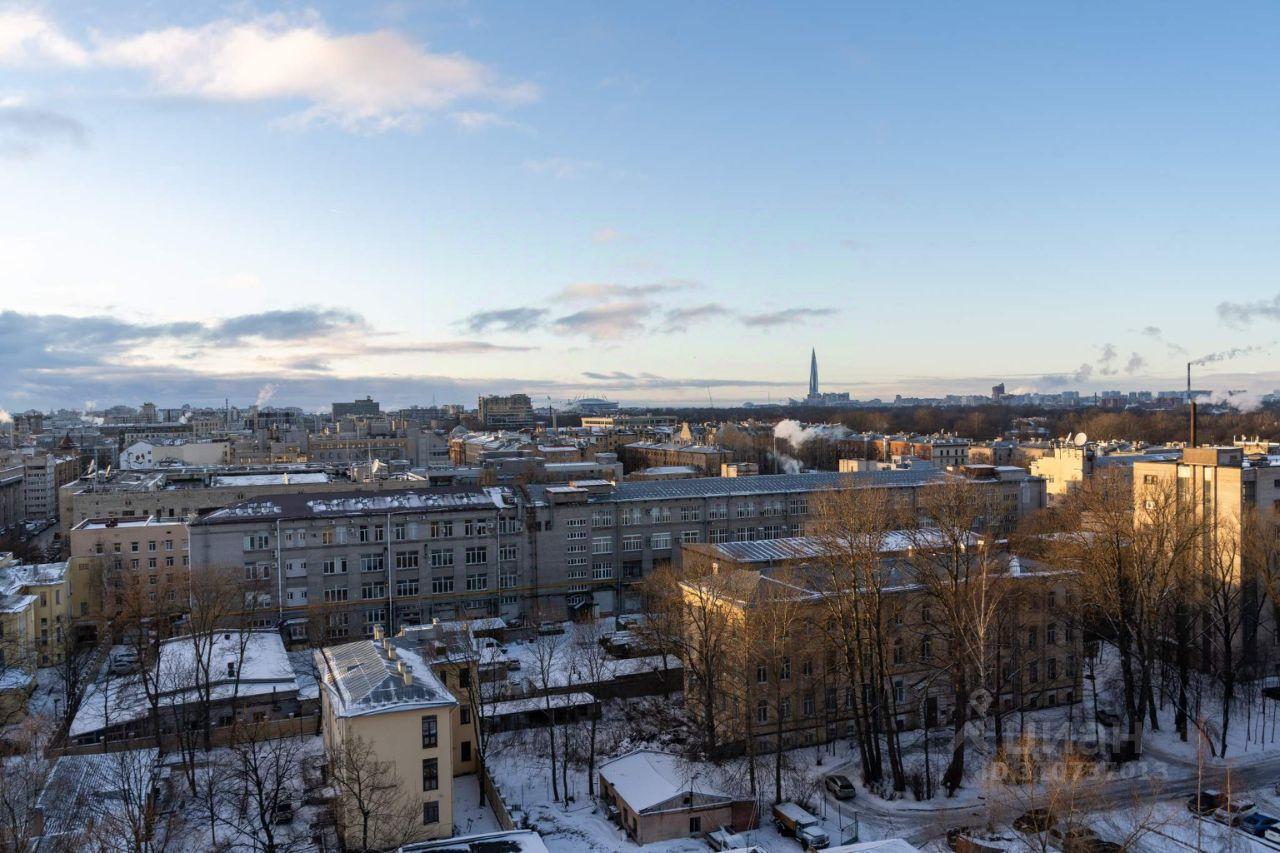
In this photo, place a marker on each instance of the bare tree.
(548, 662)
(262, 771)
(22, 781)
(372, 795)
(853, 527)
(953, 562)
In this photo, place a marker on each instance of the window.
(784, 669)
(430, 732)
(695, 825)
(799, 506)
(807, 706)
(372, 563)
(377, 589)
(762, 711)
(690, 536)
(1051, 634)
(441, 529)
(477, 555)
(784, 708)
(335, 593)
(806, 668)
(476, 527)
(1033, 672)
(898, 653)
(899, 691)
(576, 522)
(430, 813)
(602, 545)
(1051, 668)
(632, 543)
(441, 584)
(690, 513)
(602, 518)
(441, 558)
(631, 516)
(398, 531)
(745, 510)
(509, 525)
(762, 674)
(576, 534)
(507, 553)
(659, 541)
(431, 774)
(466, 750)
(407, 587)
(335, 566)
(720, 534)
(717, 512)
(926, 649)
(477, 582)
(252, 542)
(602, 572)
(326, 536)
(1031, 638)
(407, 559)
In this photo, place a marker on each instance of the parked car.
(841, 786)
(124, 660)
(1234, 811)
(1205, 803)
(791, 819)
(1258, 824)
(1036, 820)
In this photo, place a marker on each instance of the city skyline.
(657, 209)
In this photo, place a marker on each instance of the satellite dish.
(1081, 439)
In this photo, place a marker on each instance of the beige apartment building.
(382, 694)
(803, 694)
(706, 460)
(103, 548)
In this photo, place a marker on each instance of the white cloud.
(478, 120)
(27, 37)
(370, 81)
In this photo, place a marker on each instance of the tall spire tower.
(813, 373)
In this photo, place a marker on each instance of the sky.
(655, 203)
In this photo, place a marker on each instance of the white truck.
(793, 820)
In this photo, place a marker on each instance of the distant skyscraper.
(813, 373)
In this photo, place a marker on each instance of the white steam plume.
(797, 434)
(265, 393)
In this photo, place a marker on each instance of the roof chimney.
(377, 633)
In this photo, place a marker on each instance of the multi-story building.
(108, 547)
(514, 411)
(382, 695)
(594, 540)
(342, 563)
(145, 455)
(12, 510)
(705, 459)
(1069, 464)
(803, 693)
(366, 408)
(181, 492)
(42, 475)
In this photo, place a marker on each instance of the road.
(1175, 781)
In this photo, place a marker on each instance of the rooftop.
(328, 504)
(648, 778)
(364, 677)
(762, 484)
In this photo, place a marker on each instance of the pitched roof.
(361, 679)
(648, 778)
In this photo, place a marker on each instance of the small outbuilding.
(658, 796)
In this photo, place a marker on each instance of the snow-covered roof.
(81, 785)
(884, 845)
(509, 841)
(262, 668)
(340, 504)
(363, 678)
(648, 778)
(284, 478)
(534, 704)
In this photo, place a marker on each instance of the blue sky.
(641, 201)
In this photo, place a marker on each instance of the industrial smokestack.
(1193, 423)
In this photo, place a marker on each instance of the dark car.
(1036, 820)
(1204, 804)
(1257, 823)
